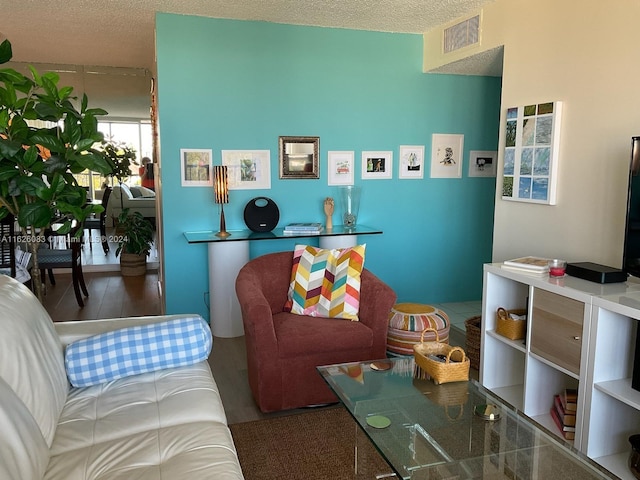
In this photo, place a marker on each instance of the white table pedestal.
(225, 261)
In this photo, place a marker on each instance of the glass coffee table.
(451, 431)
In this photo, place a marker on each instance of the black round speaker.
(261, 214)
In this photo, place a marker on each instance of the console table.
(228, 255)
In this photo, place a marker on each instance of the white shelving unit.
(580, 335)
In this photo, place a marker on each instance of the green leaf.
(51, 142)
(37, 214)
(33, 186)
(30, 157)
(96, 112)
(4, 119)
(8, 172)
(8, 148)
(48, 112)
(5, 51)
(72, 132)
(65, 92)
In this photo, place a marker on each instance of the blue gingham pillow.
(133, 350)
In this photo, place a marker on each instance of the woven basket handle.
(502, 313)
(456, 349)
(429, 329)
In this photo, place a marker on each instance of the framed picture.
(341, 165)
(446, 155)
(377, 165)
(482, 163)
(248, 169)
(299, 157)
(411, 161)
(196, 167)
(531, 153)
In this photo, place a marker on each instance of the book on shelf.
(568, 419)
(567, 432)
(569, 400)
(535, 264)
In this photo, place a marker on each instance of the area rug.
(315, 445)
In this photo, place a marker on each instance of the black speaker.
(261, 214)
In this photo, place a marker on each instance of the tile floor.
(458, 312)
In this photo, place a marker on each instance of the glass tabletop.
(427, 431)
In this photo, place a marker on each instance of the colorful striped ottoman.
(406, 323)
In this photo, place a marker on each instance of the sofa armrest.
(376, 301)
(70, 332)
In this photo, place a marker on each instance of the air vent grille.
(462, 34)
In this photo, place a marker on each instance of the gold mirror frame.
(299, 157)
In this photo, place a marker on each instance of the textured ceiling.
(120, 33)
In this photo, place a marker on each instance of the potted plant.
(38, 163)
(135, 242)
(121, 156)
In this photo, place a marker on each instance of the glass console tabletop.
(208, 236)
(427, 431)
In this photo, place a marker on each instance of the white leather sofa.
(143, 201)
(168, 424)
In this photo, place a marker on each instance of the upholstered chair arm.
(376, 300)
(257, 316)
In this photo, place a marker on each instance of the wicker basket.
(508, 327)
(472, 342)
(453, 368)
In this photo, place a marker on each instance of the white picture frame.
(411, 163)
(340, 166)
(482, 163)
(196, 167)
(531, 153)
(447, 155)
(248, 169)
(377, 165)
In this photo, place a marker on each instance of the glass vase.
(350, 201)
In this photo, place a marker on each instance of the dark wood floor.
(113, 296)
(110, 296)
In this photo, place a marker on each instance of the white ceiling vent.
(461, 34)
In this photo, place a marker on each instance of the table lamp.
(221, 191)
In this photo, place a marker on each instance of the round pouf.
(407, 322)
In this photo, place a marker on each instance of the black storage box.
(595, 272)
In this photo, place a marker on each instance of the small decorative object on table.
(511, 323)
(350, 196)
(557, 267)
(328, 211)
(439, 361)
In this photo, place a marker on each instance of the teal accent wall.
(239, 85)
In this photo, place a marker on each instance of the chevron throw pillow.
(326, 283)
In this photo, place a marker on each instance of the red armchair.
(283, 349)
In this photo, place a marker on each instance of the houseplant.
(135, 242)
(37, 164)
(121, 157)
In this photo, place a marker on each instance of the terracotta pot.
(133, 265)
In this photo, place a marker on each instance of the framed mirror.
(299, 157)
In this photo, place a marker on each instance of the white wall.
(586, 54)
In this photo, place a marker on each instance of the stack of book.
(563, 412)
(530, 265)
(303, 229)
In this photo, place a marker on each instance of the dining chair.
(8, 246)
(100, 223)
(70, 257)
